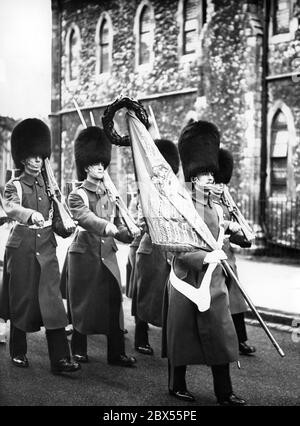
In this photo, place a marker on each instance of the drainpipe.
(56, 121)
(264, 116)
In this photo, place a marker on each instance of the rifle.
(57, 197)
(115, 196)
(236, 213)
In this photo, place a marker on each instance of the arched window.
(281, 15)
(104, 47)
(73, 53)
(192, 17)
(279, 154)
(104, 41)
(282, 140)
(144, 33)
(146, 36)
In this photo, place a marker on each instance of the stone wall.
(231, 75)
(223, 74)
(167, 75)
(222, 84)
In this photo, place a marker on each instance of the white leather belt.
(200, 296)
(47, 223)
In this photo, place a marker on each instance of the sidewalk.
(274, 288)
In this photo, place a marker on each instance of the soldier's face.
(204, 179)
(95, 171)
(33, 165)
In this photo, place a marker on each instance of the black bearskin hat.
(225, 166)
(198, 148)
(29, 138)
(169, 151)
(91, 147)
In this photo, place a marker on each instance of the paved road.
(265, 379)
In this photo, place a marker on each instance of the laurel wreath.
(108, 119)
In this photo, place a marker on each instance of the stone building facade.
(233, 62)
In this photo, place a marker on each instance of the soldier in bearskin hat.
(237, 303)
(191, 336)
(151, 271)
(94, 290)
(30, 296)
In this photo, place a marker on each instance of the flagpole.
(229, 270)
(186, 209)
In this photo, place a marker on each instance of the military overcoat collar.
(98, 188)
(31, 180)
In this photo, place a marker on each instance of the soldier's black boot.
(232, 400)
(20, 361)
(65, 366)
(246, 349)
(141, 342)
(223, 387)
(177, 383)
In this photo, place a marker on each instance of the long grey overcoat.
(30, 295)
(190, 336)
(92, 266)
(151, 276)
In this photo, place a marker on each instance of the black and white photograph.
(149, 206)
